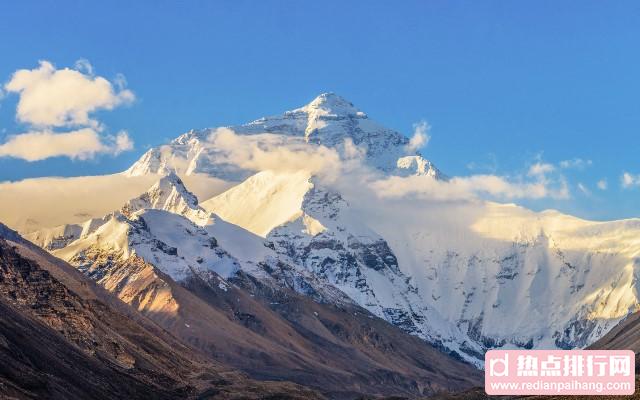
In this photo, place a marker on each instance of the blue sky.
(503, 84)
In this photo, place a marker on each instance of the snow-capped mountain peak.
(168, 194)
(330, 104)
(417, 165)
(328, 120)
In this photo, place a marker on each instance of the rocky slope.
(63, 343)
(625, 336)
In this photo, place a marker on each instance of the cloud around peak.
(345, 168)
(420, 137)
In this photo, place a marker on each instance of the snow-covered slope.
(481, 276)
(332, 243)
(417, 165)
(169, 241)
(263, 201)
(168, 194)
(163, 226)
(60, 236)
(506, 276)
(166, 228)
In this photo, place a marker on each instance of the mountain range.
(305, 267)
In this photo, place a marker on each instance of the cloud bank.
(344, 168)
(468, 188)
(36, 203)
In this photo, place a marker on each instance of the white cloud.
(469, 187)
(79, 144)
(602, 184)
(52, 98)
(270, 152)
(420, 136)
(63, 97)
(122, 142)
(630, 180)
(540, 169)
(346, 170)
(575, 163)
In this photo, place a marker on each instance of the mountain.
(328, 120)
(464, 275)
(456, 275)
(168, 194)
(220, 289)
(62, 337)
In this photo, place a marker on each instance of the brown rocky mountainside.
(277, 334)
(625, 336)
(63, 338)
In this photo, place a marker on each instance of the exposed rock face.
(351, 257)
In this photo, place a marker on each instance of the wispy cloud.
(575, 163)
(602, 184)
(491, 165)
(83, 65)
(540, 169)
(420, 137)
